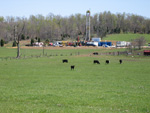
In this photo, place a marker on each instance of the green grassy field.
(47, 85)
(126, 37)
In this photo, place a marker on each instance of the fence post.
(118, 53)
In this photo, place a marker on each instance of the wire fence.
(119, 53)
(23, 56)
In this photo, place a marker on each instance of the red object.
(146, 51)
(78, 38)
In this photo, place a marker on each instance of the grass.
(65, 52)
(126, 37)
(47, 85)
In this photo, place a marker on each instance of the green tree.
(14, 44)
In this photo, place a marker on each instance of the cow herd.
(94, 61)
(106, 62)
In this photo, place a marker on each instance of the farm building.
(146, 52)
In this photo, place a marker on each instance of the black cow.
(120, 61)
(72, 67)
(96, 62)
(65, 60)
(95, 53)
(107, 61)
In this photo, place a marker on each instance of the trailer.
(121, 44)
(92, 44)
(105, 44)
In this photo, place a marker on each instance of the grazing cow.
(72, 67)
(120, 61)
(95, 53)
(96, 62)
(65, 60)
(107, 61)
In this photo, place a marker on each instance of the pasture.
(46, 84)
(126, 37)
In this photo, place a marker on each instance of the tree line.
(55, 27)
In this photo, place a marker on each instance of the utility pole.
(98, 23)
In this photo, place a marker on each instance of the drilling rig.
(88, 25)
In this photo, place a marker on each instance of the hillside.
(113, 38)
(126, 37)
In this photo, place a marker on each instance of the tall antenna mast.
(88, 25)
(98, 22)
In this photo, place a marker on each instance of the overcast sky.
(25, 8)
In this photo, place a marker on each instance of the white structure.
(40, 44)
(87, 26)
(92, 43)
(57, 43)
(96, 39)
(121, 44)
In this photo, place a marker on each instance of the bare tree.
(140, 42)
(18, 38)
(137, 43)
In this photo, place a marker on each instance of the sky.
(25, 8)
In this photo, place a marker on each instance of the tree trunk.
(18, 50)
(18, 44)
(43, 50)
(18, 47)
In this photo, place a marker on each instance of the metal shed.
(146, 52)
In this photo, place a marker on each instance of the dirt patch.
(11, 47)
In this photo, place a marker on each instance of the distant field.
(126, 37)
(66, 51)
(47, 85)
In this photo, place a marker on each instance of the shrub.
(32, 41)
(39, 40)
(28, 37)
(47, 41)
(22, 37)
(2, 42)
(14, 44)
(36, 38)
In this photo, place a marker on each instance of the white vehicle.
(58, 43)
(38, 44)
(92, 43)
(105, 45)
(121, 44)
